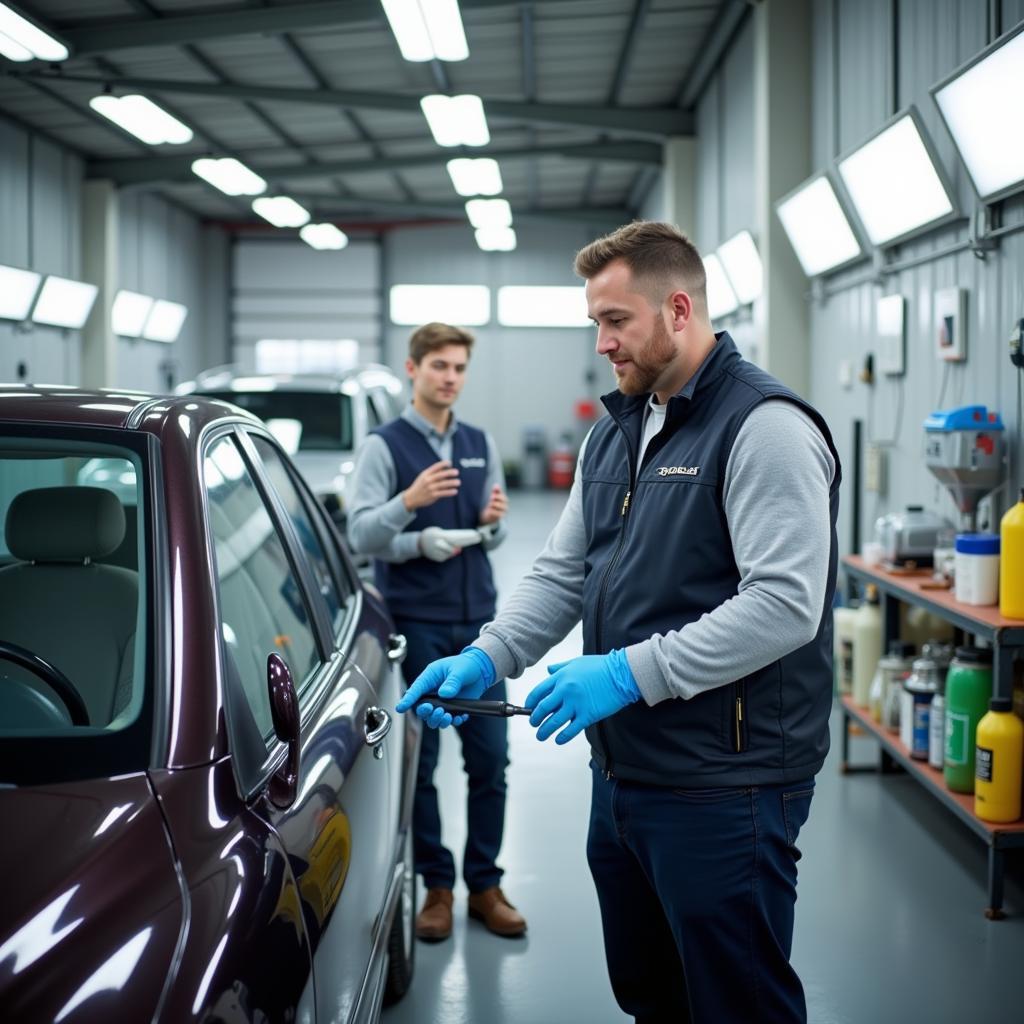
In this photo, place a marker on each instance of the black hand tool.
(457, 706)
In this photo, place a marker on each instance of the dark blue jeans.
(484, 757)
(697, 889)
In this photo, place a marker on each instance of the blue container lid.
(977, 543)
(967, 417)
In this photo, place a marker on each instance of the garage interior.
(708, 115)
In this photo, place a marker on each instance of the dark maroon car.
(205, 797)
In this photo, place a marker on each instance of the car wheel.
(402, 940)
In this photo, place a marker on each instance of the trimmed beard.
(650, 363)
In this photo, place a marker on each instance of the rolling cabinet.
(1007, 639)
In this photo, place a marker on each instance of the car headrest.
(64, 524)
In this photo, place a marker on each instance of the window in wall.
(468, 305)
(291, 355)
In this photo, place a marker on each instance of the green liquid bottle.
(968, 691)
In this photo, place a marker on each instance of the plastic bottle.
(867, 645)
(842, 651)
(999, 763)
(968, 691)
(1011, 579)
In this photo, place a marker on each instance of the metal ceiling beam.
(636, 121)
(724, 26)
(154, 170)
(97, 36)
(627, 51)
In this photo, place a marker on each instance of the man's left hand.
(580, 692)
(497, 506)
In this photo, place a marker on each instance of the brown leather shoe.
(497, 914)
(434, 921)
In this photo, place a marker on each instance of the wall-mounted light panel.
(981, 105)
(721, 298)
(895, 182)
(891, 316)
(64, 303)
(543, 306)
(23, 40)
(951, 324)
(165, 321)
(17, 290)
(818, 227)
(742, 263)
(427, 29)
(468, 305)
(129, 313)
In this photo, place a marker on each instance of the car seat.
(57, 602)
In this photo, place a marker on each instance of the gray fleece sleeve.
(548, 601)
(376, 515)
(776, 493)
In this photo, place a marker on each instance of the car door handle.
(398, 647)
(376, 726)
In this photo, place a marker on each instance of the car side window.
(305, 529)
(373, 416)
(382, 404)
(262, 607)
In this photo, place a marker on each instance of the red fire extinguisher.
(560, 465)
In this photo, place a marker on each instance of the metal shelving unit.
(1007, 639)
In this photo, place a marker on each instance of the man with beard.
(698, 546)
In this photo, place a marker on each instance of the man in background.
(418, 478)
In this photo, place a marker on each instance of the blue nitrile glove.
(466, 675)
(581, 692)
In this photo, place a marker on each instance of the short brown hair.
(433, 336)
(660, 257)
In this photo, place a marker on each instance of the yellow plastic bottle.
(999, 763)
(1011, 568)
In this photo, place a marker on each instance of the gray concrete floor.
(889, 924)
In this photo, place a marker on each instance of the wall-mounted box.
(891, 317)
(951, 324)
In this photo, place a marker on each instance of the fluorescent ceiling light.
(17, 290)
(894, 184)
(231, 176)
(981, 105)
(742, 263)
(818, 229)
(543, 306)
(496, 239)
(475, 177)
(427, 29)
(324, 236)
(64, 303)
(165, 321)
(721, 298)
(489, 213)
(129, 312)
(456, 120)
(468, 305)
(281, 211)
(142, 118)
(19, 35)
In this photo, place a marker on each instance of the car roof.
(107, 407)
(230, 378)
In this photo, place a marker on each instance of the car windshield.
(73, 609)
(322, 421)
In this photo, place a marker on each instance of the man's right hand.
(441, 480)
(466, 675)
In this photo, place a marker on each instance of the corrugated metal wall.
(163, 252)
(872, 57)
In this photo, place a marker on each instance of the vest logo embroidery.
(473, 463)
(678, 470)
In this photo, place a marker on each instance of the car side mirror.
(284, 713)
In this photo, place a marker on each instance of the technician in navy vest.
(698, 546)
(419, 477)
